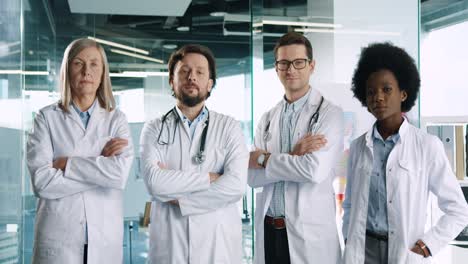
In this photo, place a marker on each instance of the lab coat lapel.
(273, 145)
(302, 125)
(71, 114)
(96, 117)
(399, 157)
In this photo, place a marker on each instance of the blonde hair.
(104, 91)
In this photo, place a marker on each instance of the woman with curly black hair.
(392, 169)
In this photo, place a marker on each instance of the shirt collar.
(401, 132)
(376, 136)
(298, 104)
(201, 115)
(89, 111)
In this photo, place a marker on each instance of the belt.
(377, 236)
(275, 222)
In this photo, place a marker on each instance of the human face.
(384, 96)
(85, 72)
(191, 82)
(294, 80)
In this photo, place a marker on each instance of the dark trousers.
(376, 251)
(85, 255)
(276, 245)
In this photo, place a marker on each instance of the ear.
(210, 85)
(312, 66)
(404, 95)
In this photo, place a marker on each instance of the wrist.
(424, 249)
(265, 161)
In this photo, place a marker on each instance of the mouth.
(379, 108)
(191, 87)
(86, 82)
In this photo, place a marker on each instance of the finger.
(114, 149)
(118, 144)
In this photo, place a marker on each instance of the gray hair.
(104, 91)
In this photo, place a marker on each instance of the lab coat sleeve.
(444, 184)
(108, 172)
(48, 182)
(313, 167)
(165, 184)
(256, 177)
(229, 187)
(348, 193)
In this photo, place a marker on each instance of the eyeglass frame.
(292, 63)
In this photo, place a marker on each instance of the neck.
(389, 126)
(293, 96)
(84, 102)
(191, 112)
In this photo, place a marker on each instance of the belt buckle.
(279, 223)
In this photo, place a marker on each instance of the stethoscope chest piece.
(199, 158)
(267, 136)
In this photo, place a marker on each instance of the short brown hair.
(292, 38)
(193, 48)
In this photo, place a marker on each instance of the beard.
(190, 101)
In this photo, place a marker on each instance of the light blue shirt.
(192, 125)
(288, 120)
(85, 116)
(377, 220)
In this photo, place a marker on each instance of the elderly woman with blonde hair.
(79, 156)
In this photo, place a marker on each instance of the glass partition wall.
(138, 40)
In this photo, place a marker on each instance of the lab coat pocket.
(215, 160)
(408, 181)
(413, 258)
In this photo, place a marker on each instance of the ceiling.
(50, 25)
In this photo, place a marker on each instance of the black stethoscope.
(200, 157)
(313, 122)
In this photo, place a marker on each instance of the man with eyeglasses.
(298, 142)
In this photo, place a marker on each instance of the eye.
(369, 92)
(77, 63)
(387, 89)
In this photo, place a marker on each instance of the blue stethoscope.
(200, 157)
(313, 122)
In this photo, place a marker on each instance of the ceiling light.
(183, 28)
(24, 72)
(351, 32)
(137, 74)
(136, 55)
(300, 24)
(118, 45)
(218, 14)
(169, 46)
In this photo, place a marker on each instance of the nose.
(192, 76)
(86, 70)
(379, 96)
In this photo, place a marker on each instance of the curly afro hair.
(386, 56)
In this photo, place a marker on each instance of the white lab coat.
(89, 191)
(206, 227)
(309, 195)
(416, 166)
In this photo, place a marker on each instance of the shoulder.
(332, 109)
(50, 109)
(226, 120)
(423, 139)
(358, 142)
(268, 115)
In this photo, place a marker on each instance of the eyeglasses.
(298, 64)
